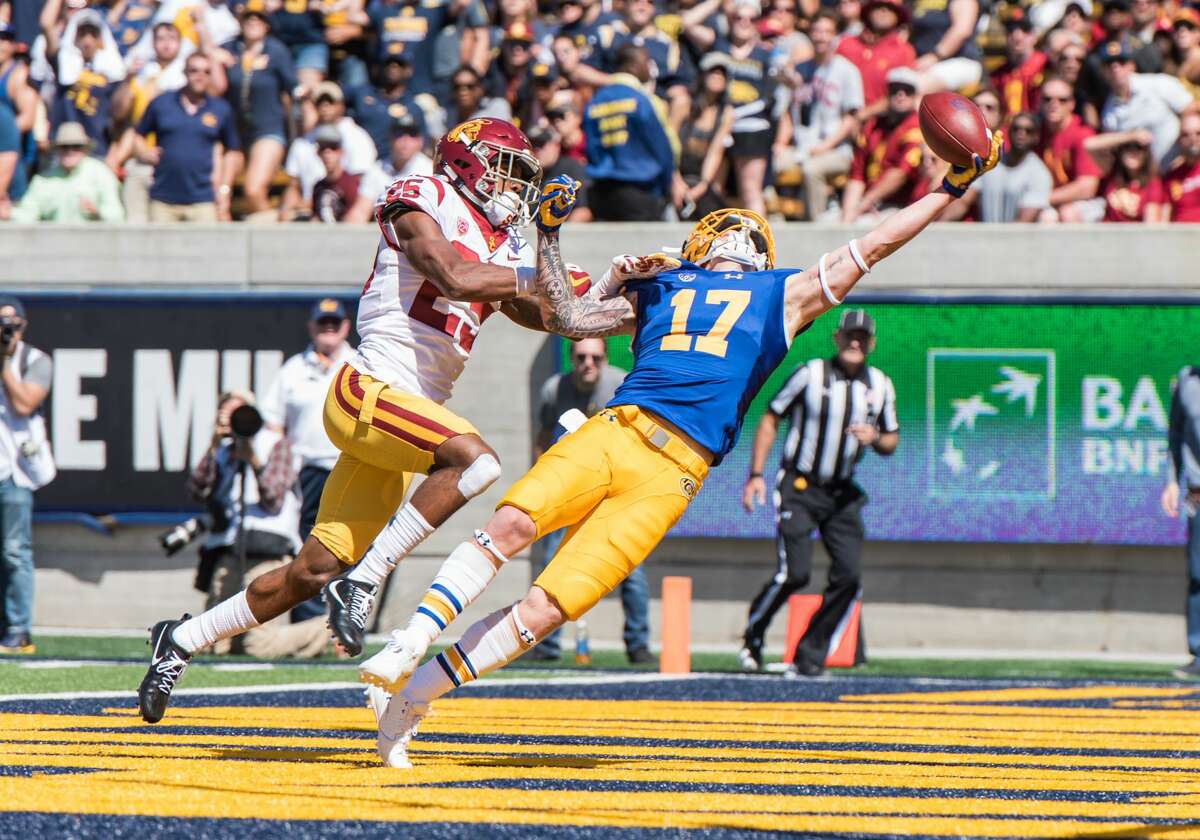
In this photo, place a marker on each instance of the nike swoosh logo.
(333, 593)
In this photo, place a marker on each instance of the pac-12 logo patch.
(688, 487)
(463, 227)
(686, 277)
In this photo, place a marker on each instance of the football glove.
(557, 202)
(628, 267)
(959, 178)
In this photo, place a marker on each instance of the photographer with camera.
(25, 465)
(247, 480)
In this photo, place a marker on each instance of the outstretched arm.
(815, 291)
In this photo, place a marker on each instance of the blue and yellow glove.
(557, 202)
(959, 178)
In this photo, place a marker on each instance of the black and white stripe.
(821, 402)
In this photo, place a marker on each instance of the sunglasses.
(464, 85)
(905, 89)
(555, 116)
(1023, 129)
(1062, 99)
(579, 358)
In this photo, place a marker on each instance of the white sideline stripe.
(557, 677)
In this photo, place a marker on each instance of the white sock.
(228, 618)
(404, 532)
(460, 580)
(488, 644)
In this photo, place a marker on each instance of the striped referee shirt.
(822, 401)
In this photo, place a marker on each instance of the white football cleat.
(377, 701)
(397, 727)
(391, 667)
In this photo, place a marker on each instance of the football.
(954, 128)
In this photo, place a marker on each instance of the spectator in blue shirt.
(630, 156)
(409, 28)
(672, 77)
(261, 79)
(377, 109)
(12, 174)
(86, 96)
(195, 141)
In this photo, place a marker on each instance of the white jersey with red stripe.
(411, 336)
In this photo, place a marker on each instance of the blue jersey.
(705, 343)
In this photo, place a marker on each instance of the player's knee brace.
(484, 540)
(478, 477)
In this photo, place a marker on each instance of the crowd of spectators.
(289, 110)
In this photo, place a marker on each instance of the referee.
(836, 408)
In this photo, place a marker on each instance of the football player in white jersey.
(451, 253)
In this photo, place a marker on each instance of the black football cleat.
(349, 604)
(167, 664)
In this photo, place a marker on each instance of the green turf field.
(114, 664)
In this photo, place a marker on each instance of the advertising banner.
(1020, 422)
(136, 380)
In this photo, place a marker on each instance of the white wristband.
(825, 290)
(857, 256)
(526, 279)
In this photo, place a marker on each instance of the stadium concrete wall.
(938, 596)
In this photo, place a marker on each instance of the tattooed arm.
(568, 315)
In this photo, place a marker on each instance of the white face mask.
(736, 246)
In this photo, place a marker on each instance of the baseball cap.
(258, 8)
(714, 60)
(857, 319)
(544, 73)
(903, 76)
(18, 308)
(1116, 5)
(519, 31)
(7, 33)
(900, 9)
(327, 308)
(328, 90)
(327, 135)
(89, 19)
(539, 136)
(1187, 17)
(405, 124)
(1116, 51)
(1018, 20)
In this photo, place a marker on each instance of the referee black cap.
(857, 319)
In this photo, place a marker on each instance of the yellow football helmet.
(750, 244)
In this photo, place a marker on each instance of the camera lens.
(245, 421)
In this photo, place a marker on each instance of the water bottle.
(583, 653)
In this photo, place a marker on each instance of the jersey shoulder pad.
(416, 192)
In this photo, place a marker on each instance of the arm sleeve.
(1084, 164)
(1175, 94)
(109, 200)
(887, 421)
(852, 95)
(791, 391)
(40, 372)
(204, 476)
(30, 209)
(1175, 427)
(284, 69)
(229, 135)
(277, 475)
(420, 192)
(1038, 192)
(148, 124)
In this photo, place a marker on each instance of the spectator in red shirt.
(336, 196)
(1076, 176)
(1019, 79)
(887, 161)
(1182, 183)
(877, 50)
(1132, 189)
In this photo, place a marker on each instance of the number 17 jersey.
(705, 343)
(411, 336)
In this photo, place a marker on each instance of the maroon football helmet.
(492, 163)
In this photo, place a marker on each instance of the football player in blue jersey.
(708, 331)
